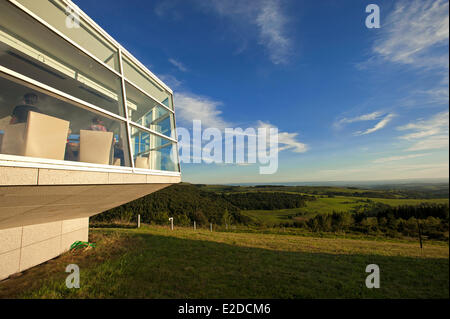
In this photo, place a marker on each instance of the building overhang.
(40, 195)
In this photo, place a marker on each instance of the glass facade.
(58, 15)
(136, 75)
(153, 152)
(145, 111)
(62, 94)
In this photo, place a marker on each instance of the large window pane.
(55, 13)
(136, 75)
(153, 152)
(146, 112)
(37, 124)
(33, 50)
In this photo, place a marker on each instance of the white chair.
(95, 147)
(42, 136)
(142, 162)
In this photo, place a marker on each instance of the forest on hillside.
(219, 205)
(187, 203)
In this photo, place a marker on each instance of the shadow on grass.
(112, 225)
(156, 266)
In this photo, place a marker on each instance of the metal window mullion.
(157, 148)
(147, 94)
(176, 135)
(59, 93)
(160, 119)
(64, 37)
(124, 97)
(153, 132)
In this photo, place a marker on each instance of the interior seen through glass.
(145, 111)
(36, 124)
(153, 152)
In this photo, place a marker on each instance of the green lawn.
(154, 262)
(328, 205)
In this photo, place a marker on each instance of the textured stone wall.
(28, 246)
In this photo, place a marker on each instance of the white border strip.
(34, 162)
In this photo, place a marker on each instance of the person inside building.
(118, 151)
(97, 125)
(20, 112)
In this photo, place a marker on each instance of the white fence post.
(171, 223)
(139, 221)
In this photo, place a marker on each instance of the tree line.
(383, 219)
(267, 200)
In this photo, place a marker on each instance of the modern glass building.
(84, 127)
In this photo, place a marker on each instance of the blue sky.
(350, 103)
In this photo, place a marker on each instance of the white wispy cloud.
(412, 30)
(271, 22)
(381, 124)
(439, 121)
(286, 141)
(365, 117)
(415, 36)
(433, 142)
(432, 133)
(266, 15)
(399, 158)
(382, 117)
(191, 107)
(180, 66)
(170, 80)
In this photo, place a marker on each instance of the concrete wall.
(43, 211)
(28, 246)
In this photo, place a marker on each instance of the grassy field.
(328, 205)
(154, 262)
